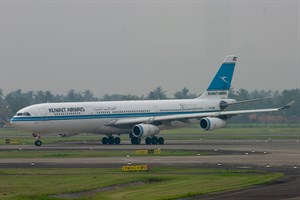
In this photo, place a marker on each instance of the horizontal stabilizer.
(224, 104)
(290, 104)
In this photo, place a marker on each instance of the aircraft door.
(43, 114)
(41, 123)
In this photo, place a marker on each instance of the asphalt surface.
(271, 155)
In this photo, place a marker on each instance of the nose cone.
(22, 119)
(13, 122)
(19, 123)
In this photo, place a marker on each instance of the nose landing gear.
(37, 137)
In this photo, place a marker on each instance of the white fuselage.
(94, 117)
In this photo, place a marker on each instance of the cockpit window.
(27, 114)
(23, 114)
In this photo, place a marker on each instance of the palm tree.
(88, 96)
(73, 96)
(157, 93)
(183, 94)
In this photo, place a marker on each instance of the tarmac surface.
(270, 155)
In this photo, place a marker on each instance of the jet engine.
(144, 130)
(210, 123)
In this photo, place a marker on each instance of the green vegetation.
(158, 183)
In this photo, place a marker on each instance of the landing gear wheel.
(38, 143)
(154, 140)
(117, 140)
(148, 140)
(135, 140)
(139, 141)
(161, 140)
(111, 140)
(104, 140)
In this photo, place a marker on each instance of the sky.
(133, 46)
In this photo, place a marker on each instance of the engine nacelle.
(210, 123)
(144, 130)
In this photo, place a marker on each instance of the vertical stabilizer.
(221, 83)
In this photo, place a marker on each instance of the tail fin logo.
(223, 78)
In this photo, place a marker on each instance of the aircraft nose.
(12, 122)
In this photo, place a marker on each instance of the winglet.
(290, 104)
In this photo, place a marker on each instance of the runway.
(244, 153)
(271, 155)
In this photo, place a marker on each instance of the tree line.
(15, 100)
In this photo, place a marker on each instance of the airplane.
(138, 119)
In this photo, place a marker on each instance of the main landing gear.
(154, 140)
(149, 140)
(136, 140)
(111, 140)
(37, 137)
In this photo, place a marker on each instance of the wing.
(133, 121)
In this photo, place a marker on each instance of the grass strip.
(38, 184)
